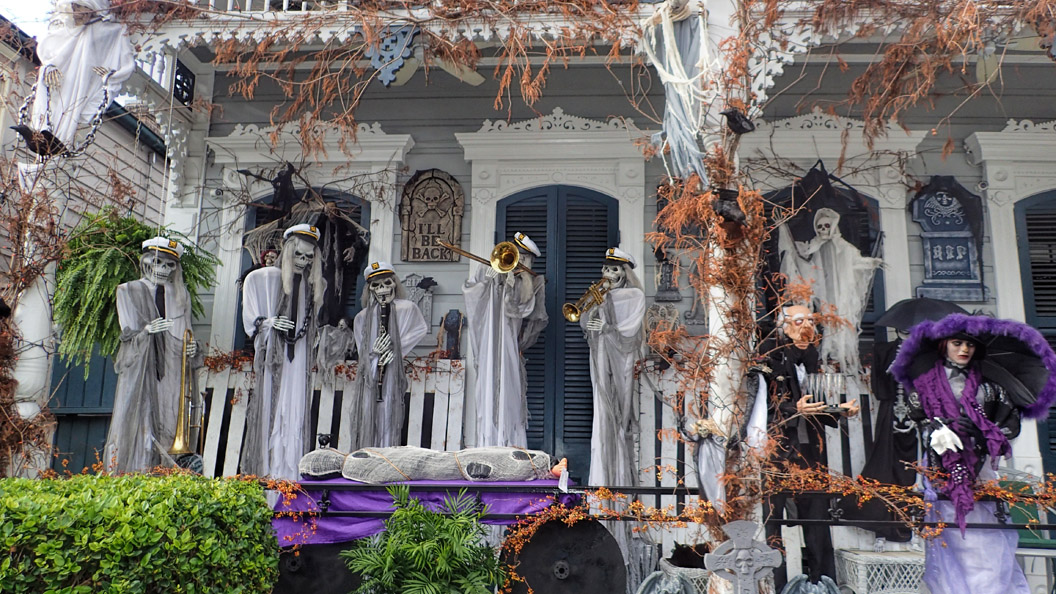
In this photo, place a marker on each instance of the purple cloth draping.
(979, 562)
(293, 529)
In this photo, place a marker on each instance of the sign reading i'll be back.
(431, 210)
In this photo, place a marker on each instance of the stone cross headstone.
(431, 210)
(742, 560)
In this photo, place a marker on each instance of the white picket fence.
(434, 411)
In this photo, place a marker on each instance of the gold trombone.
(185, 420)
(594, 296)
(505, 257)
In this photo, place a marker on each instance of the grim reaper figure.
(84, 55)
(154, 313)
(839, 275)
(386, 329)
(280, 309)
(506, 314)
(614, 333)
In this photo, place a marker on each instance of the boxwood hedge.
(135, 534)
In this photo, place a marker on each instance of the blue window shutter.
(573, 227)
(1036, 234)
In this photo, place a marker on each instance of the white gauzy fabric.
(756, 436)
(76, 51)
(148, 376)
(613, 353)
(495, 313)
(379, 424)
(277, 419)
(839, 276)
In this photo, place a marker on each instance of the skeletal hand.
(159, 325)
(596, 325)
(103, 71)
(850, 408)
(490, 272)
(383, 344)
(282, 323)
(53, 78)
(385, 358)
(191, 349)
(805, 407)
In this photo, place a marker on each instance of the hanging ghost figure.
(614, 333)
(84, 58)
(386, 329)
(839, 275)
(154, 313)
(280, 311)
(505, 314)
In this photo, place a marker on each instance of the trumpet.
(504, 257)
(593, 297)
(186, 420)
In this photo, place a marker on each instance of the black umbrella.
(1018, 358)
(909, 312)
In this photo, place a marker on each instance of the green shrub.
(427, 552)
(135, 534)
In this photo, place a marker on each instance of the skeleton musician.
(506, 314)
(386, 329)
(154, 313)
(280, 312)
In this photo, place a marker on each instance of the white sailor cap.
(615, 254)
(526, 243)
(304, 230)
(165, 246)
(377, 269)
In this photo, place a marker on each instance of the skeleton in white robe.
(505, 314)
(277, 420)
(148, 366)
(83, 53)
(381, 409)
(839, 275)
(614, 333)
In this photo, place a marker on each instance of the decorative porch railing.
(434, 411)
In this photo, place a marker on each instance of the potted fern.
(423, 551)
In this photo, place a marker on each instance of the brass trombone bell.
(505, 257)
(593, 297)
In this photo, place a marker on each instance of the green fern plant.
(103, 252)
(423, 551)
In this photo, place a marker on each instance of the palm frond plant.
(423, 551)
(103, 252)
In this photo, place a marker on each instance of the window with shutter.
(572, 227)
(82, 407)
(1036, 235)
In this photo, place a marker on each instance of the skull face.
(160, 268)
(615, 274)
(383, 288)
(526, 258)
(303, 255)
(743, 562)
(432, 196)
(826, 223)
(271, 258)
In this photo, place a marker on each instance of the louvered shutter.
(1036, 233)
(573, 227)
(82, 407)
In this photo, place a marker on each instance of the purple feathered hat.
(1018, 357)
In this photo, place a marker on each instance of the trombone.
(594, 296)
(504, 257)
(186, 420)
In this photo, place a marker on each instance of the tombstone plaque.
(950, 218)
(743, 560)
(420, 292)
(430, 211)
